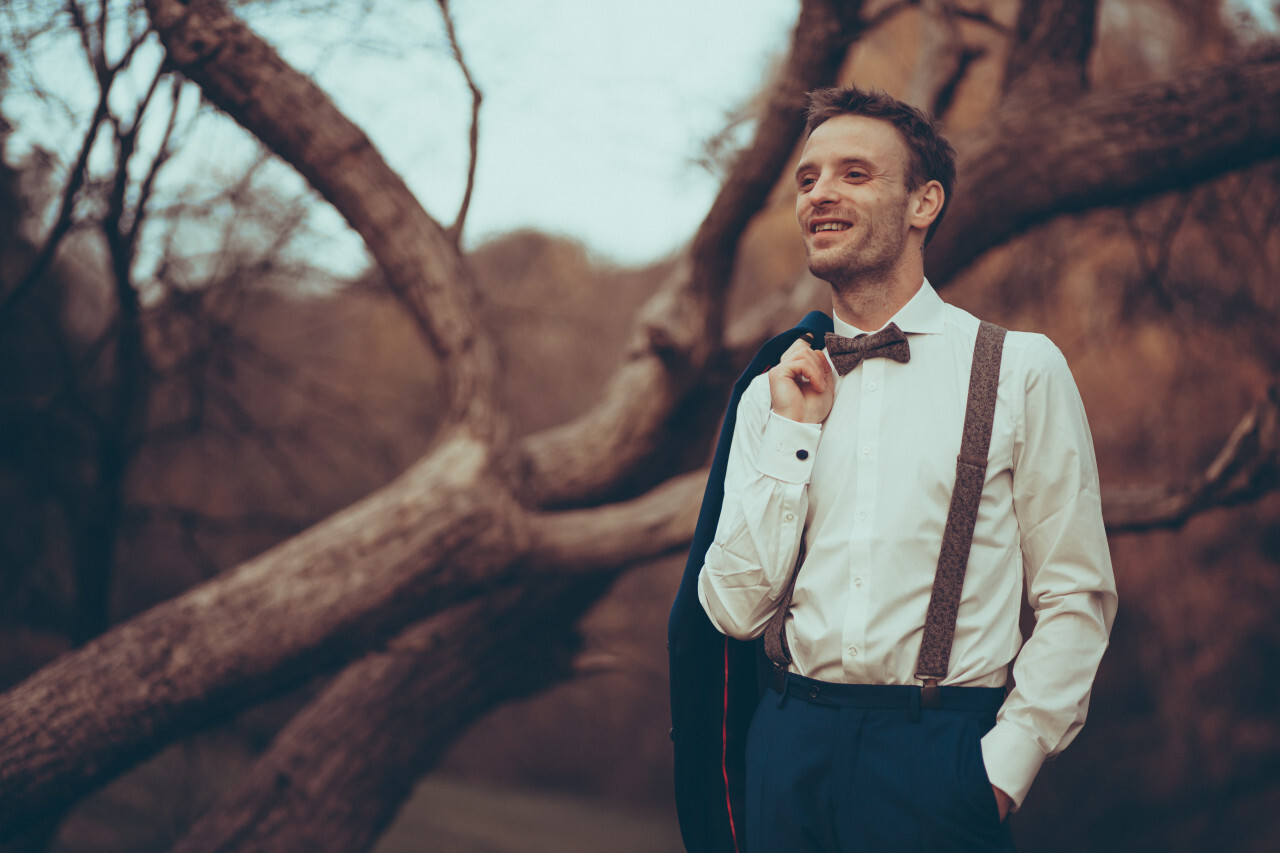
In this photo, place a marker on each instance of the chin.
(828, 263)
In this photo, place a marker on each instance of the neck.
(869, 304)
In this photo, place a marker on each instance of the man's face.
(851, 199)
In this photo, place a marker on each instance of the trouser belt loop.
(915, 704)
(780, 683)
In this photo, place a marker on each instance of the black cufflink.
(802, 454)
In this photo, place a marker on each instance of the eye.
(804, 182)
(856, 174)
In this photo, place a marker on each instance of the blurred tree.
(74, 403)
(456, 585)
(92, 333)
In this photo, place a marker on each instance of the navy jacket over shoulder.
(714, 685)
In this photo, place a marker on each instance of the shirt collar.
(922, 315)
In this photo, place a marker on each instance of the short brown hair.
(930, 156)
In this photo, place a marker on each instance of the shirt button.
(802, 455)
(857, 581)
(853, 652)
(862, 516)
(790, 516)
(871, 386)
(866, 449)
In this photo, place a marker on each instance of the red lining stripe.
(724, 749)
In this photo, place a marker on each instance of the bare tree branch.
(157, 163)
(941, 59)
(62, 226)
(771, 316)
(620, 533)
(983, 17)
(822, 36)
(455, 230)
(94, 53)
(1247, 467)
(319, 597)
(1050, 50)
(1104, 148)
(420, 260)
(275, 524)
(683, 324)
(358, 748)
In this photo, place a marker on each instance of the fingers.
(802, 363)
(801, 386)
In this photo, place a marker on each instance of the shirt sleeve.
(757, 540)
(1069, 579)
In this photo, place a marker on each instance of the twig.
(455, 230)
(62, 226)
(162, 157)
(106, 74)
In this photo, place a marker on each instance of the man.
(838, 487)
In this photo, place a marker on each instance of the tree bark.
(336, 775)
(304, 606)
(1023, 167)
(444, 531)
(942, 59)
(681, 328)
(1050, 50)
(245, 77)
(1246, 468)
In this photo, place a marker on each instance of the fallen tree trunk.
(436, 537)
(336, 775)
(303, 607)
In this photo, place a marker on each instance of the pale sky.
(593, 115)
(594, 110)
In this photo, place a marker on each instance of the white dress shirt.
(870, 500)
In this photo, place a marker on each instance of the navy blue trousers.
(851, 768)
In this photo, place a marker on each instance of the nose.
(823, 191)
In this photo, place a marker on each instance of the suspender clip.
(930, 695)
(780, 683)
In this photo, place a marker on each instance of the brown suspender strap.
(971, 473)
(775, 632)
(971, 469)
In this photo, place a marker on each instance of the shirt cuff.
(1012, 759)
(786, 450)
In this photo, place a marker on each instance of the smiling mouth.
(829, 226)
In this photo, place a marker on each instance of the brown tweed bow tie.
(848, 353)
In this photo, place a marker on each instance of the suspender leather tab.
(930, 695)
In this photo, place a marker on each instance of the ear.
(925, 204)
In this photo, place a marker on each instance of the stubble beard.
(861, 266)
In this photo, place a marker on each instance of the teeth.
(830, 226)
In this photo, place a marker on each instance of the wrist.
(799, 417)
